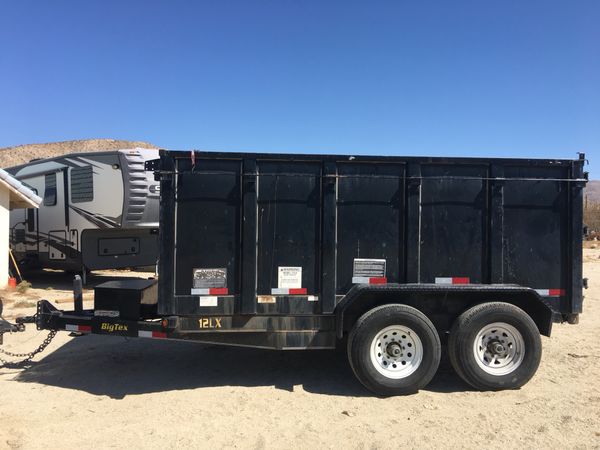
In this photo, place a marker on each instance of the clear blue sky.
(473, 78)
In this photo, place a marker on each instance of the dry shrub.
(23, 287)
(591, 218)
(24, 304)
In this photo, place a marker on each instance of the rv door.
(54, 216)
(18, 231)
(24, 231)
(31, 230)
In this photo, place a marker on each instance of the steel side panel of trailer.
(258, 218)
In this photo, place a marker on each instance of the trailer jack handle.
(78, 294)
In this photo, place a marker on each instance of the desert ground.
(111, 392)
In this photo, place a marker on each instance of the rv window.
(50, 189)
(82, 184)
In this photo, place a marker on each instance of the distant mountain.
(12, 156)
(592, 191)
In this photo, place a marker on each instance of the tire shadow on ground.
(117, 367)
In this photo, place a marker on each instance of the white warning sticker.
(370, 268)
(209, 300)
(209, 278)
(289, 277)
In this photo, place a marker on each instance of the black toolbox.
(127, 299)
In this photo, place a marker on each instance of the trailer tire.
(495, 346)
(394, 349)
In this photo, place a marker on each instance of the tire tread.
(462, 326)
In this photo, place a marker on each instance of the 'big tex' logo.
(112, 327)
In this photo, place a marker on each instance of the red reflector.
(159, 334)
(378, 280)
(87, 328)
(297, 291)
(556, 292)
(218, 291)
(460, 280)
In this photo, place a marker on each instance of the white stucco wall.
(4, 235)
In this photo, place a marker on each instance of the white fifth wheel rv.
(99, 211)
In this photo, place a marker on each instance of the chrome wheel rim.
(396, 352)
(499, 348)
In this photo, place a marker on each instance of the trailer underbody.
(273, 332)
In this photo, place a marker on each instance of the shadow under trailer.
(390, 257)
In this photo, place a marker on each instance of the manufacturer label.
(106, 313)
(289, 277)
(112, 327)
(210, 278)
(266, 299)
(369, 268)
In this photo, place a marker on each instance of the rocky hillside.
(12, 156)
(592, 191)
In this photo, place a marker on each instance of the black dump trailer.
(395, 258)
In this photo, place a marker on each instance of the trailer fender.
(443, 299)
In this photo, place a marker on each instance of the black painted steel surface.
(283, 232)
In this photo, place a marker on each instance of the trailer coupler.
(18, 326)
(24, 358)
(7, 327)
(25, 319)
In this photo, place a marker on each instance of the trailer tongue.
(390, 256)
(6, 327)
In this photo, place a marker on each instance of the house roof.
(20, 195)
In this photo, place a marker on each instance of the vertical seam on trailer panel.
(486, 193)
(175, 195)
(419, 233)
(256, 230)
(402, 223)
(240, 254)
(318, 272)
(335, 237)
(571, 251)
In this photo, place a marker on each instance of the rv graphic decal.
(97, 219)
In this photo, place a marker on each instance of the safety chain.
(26, 356)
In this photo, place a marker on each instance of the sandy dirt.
(110, 392)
